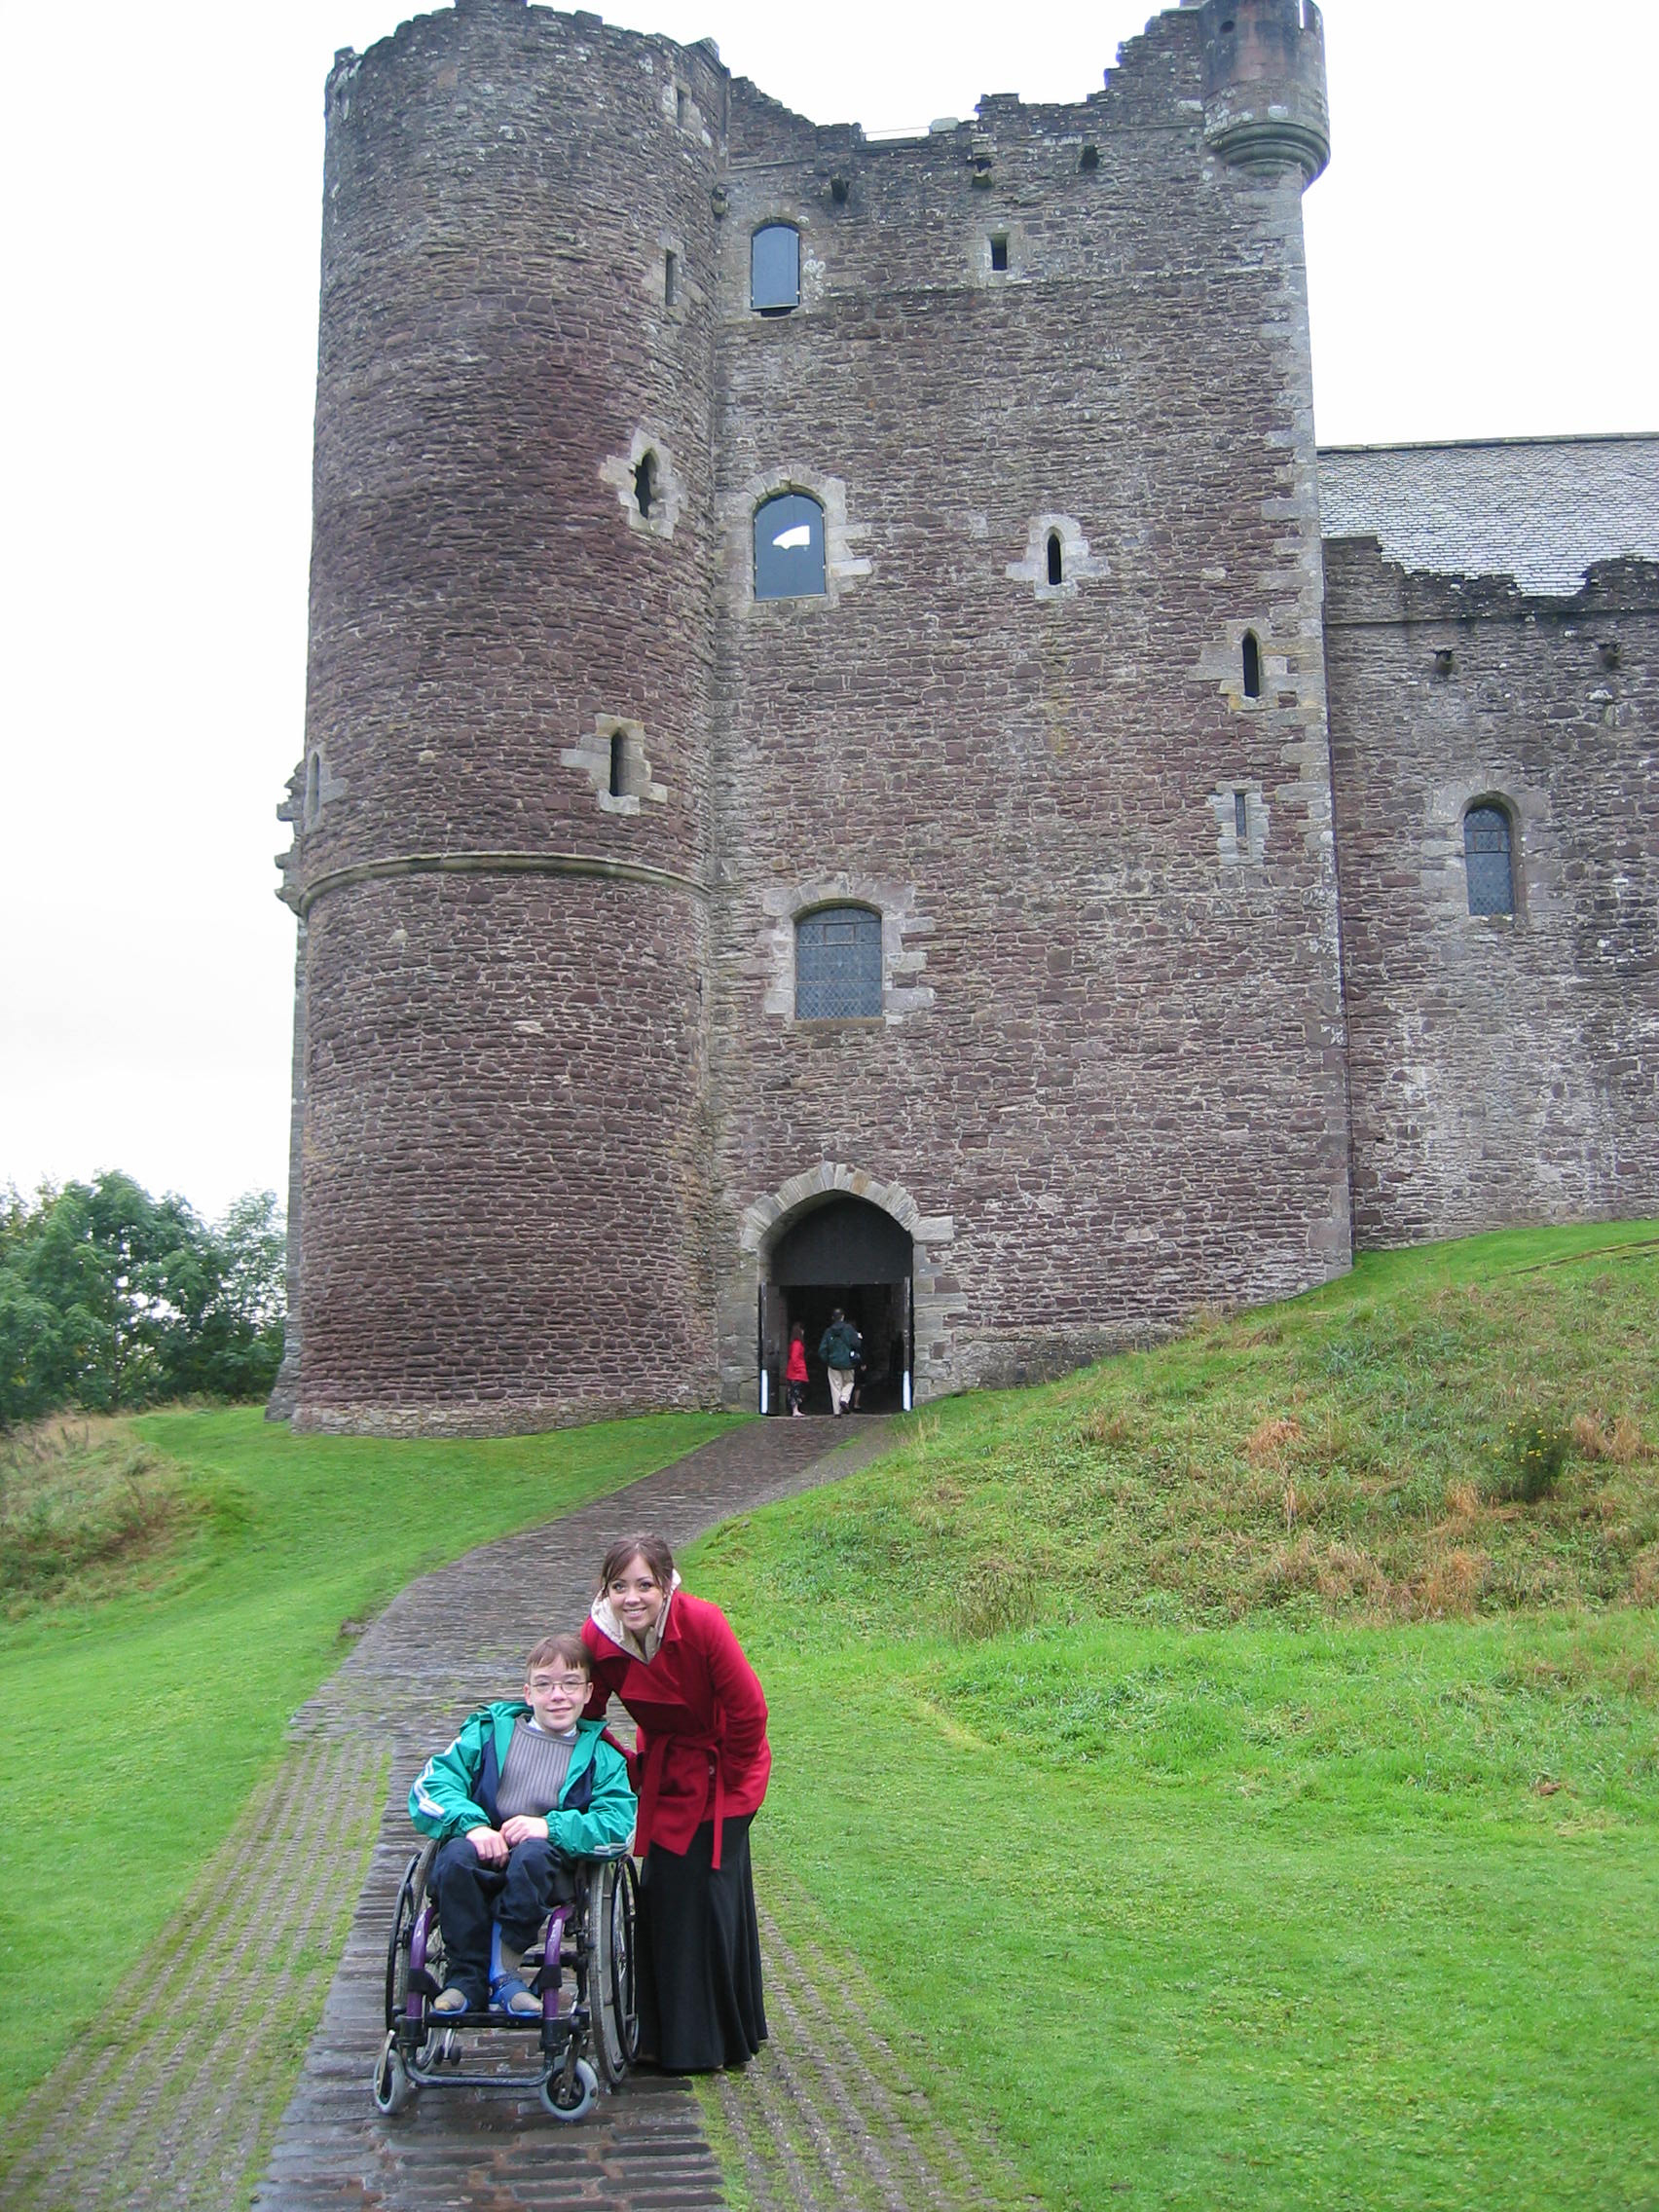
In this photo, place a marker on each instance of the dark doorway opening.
(848, 1253)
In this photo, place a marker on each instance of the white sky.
(1482, 258)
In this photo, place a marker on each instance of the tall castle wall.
(1109, 1075)
(570, 784)
(1504, 1067)
(503, 1189)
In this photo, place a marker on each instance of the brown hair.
(652, 1549)
(559, 1651)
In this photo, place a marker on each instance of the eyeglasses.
(572, 1685)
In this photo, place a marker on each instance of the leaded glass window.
(838, 965)
(789, 547)
(1488, 858)
(774, 269)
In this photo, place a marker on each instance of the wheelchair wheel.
(570, 2095)
(613, 1983)
(411, 1906)
(395, 2086)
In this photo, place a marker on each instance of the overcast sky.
(1481, 262)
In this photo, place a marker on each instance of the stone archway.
(837, 1256)
(936, 1304)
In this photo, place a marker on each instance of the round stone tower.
(1264, 104)
(502, 821)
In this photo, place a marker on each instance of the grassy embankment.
(173, 1587)
(1245, 1792)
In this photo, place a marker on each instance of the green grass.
(1228, 1853)
(138, 1721)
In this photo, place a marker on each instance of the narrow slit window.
(789, 547)
(1252, 666)
(670, 279)
(1240, 816)
(1489, 860)
(774, 269)
(999, 252)
(1056, 558)
(679, 105)
(644, 485)
(618, 764)
(314, 785)
(838, 965)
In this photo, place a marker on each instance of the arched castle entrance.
(754, 1302)
(842, 1252)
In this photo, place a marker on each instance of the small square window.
(999, 253)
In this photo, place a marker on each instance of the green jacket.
(840, 1344)
(456, 1789)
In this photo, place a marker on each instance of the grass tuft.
(84, 1500)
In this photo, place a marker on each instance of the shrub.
(1533, 1454)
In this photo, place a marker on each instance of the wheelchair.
(582, 1969)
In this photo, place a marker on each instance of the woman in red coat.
(700, 1769)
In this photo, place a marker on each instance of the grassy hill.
(176, 1585)
(1240, 1762)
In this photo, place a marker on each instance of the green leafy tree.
(110, 1297)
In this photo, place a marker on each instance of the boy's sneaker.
(450, 2000)
(507, 1994)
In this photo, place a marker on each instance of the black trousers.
(471, 1896)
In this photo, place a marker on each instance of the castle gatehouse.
(858, 753)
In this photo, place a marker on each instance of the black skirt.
(699, 1954)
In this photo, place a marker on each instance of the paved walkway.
(175, 2107)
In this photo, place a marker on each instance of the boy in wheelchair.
(526, 1787)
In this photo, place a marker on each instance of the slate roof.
(1537, 509)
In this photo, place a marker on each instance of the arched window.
(789, 547)
(1252, 666)
(838, 965)
(774, 269)
(1056, 560)
(1487, 861)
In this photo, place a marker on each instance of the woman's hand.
(523, 1827)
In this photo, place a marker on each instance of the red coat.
(796, 1371)
(702, 1752)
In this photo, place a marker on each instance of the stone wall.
(1110, 1075)
(1504, 1069)
(502, 1150)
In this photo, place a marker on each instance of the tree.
(110, 1297)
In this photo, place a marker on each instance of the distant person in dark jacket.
(840, 1348)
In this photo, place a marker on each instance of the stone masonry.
(1061, 717)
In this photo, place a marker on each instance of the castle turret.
(1264, 106)
(502, 816)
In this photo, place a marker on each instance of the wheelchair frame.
(595, 2038)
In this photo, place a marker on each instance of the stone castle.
(858, 751)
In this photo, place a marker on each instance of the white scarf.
(606, 1619)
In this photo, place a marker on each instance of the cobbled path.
(177, 2105)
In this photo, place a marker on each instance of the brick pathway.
(176, 2105)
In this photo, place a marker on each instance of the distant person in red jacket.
(795, 1374)
(700, 1769)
